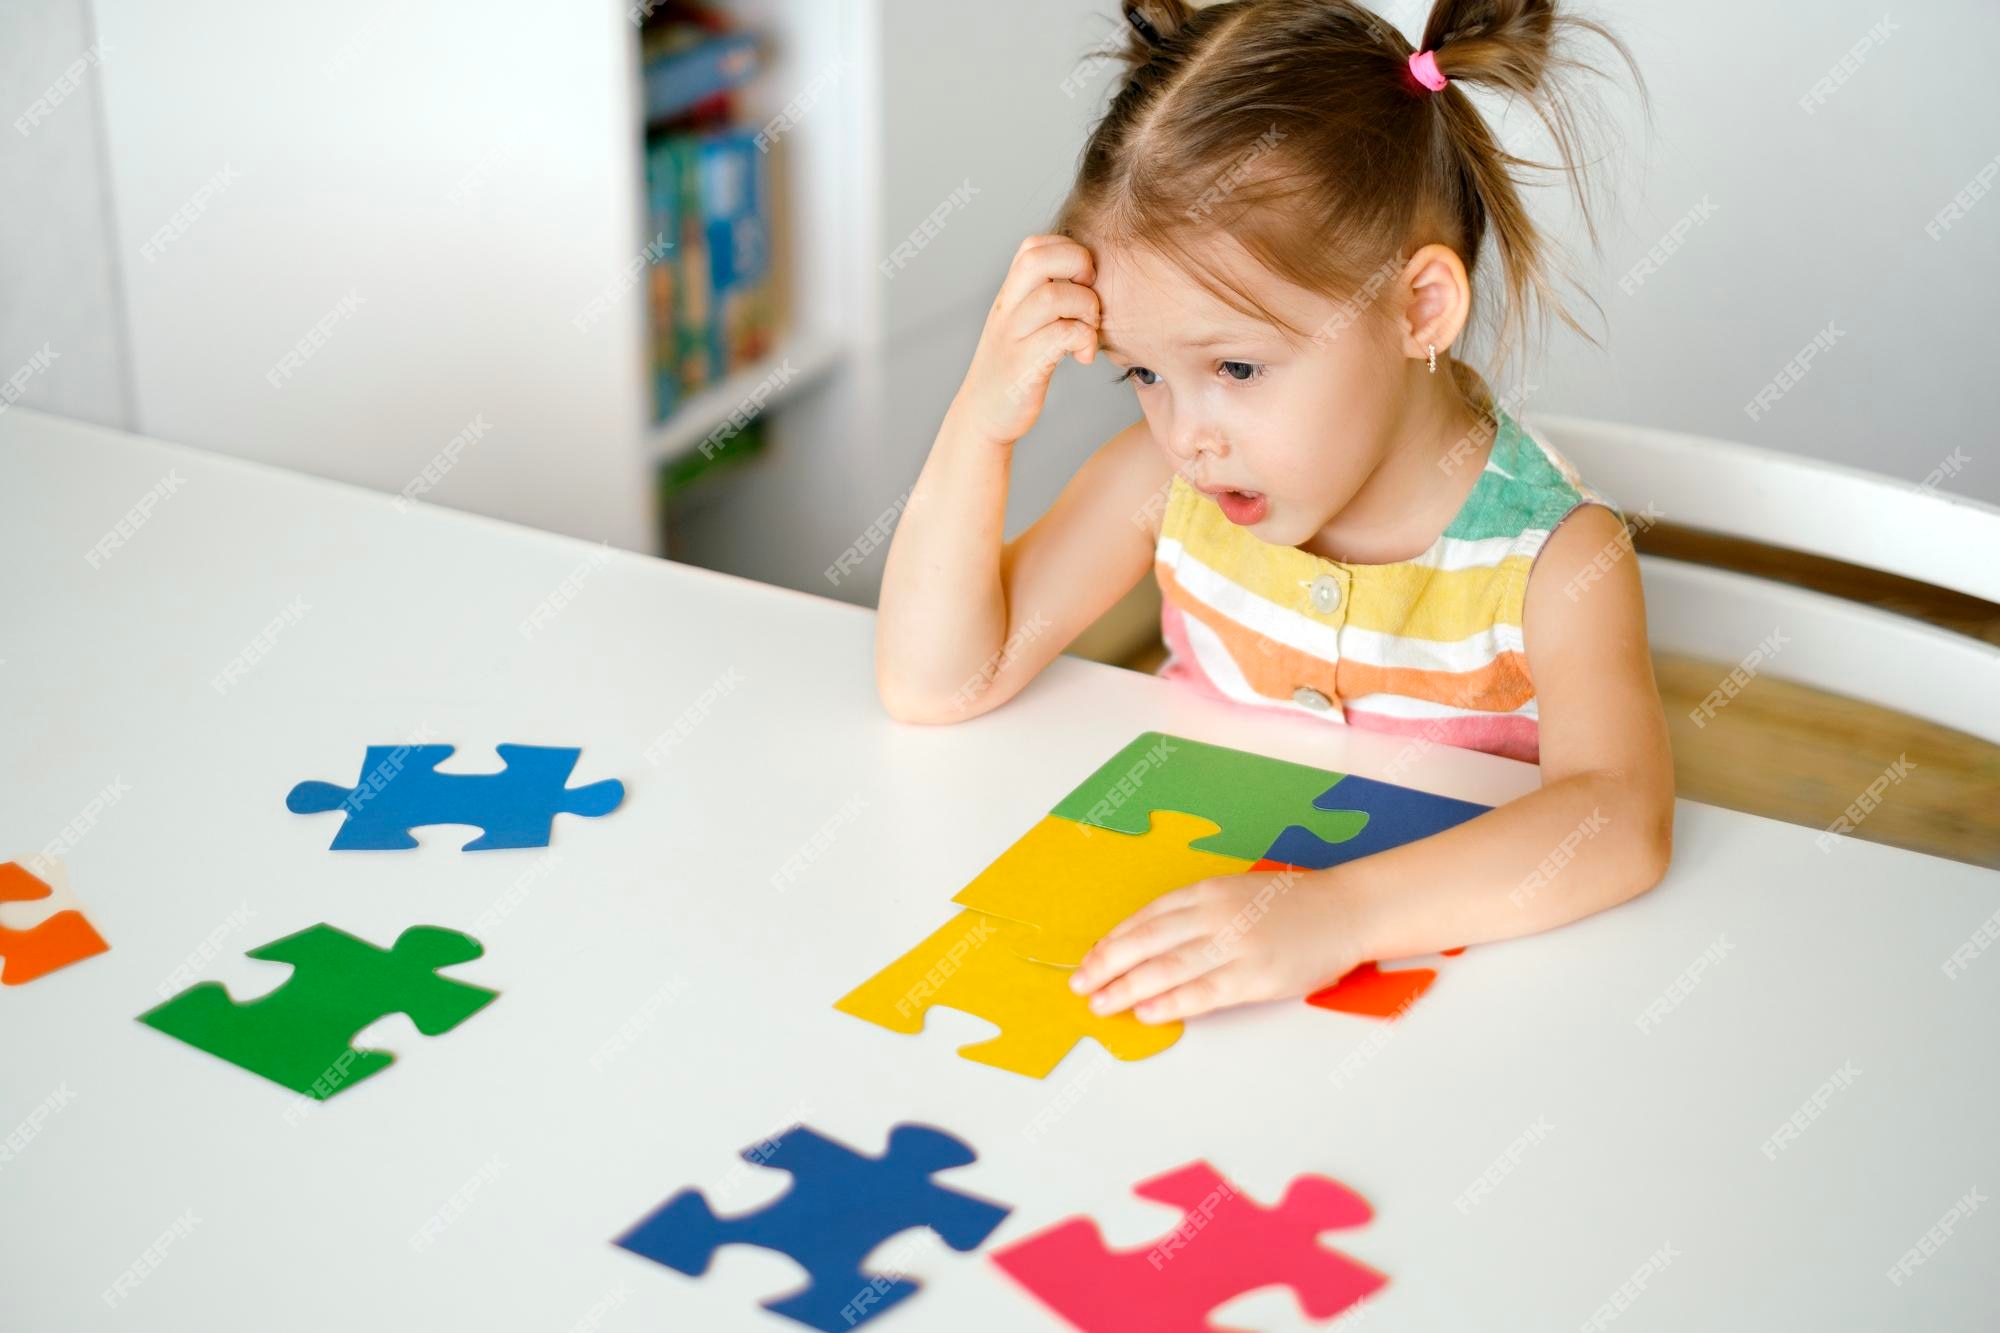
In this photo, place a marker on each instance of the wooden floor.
(1787, 751)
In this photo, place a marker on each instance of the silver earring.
(1434, 357)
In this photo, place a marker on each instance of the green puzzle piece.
(301, 1034)
(1253, 797)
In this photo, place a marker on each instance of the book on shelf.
(708, 191)
(736, 226)
(679, 81)
(709, 284)
(664, 274)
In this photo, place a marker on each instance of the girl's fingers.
(1051, 343)
(1131, 945)
(1210, 990)
(1052, 301)
(1044, 259)
(1033, 242)
(1155, 976)
(1167, 902)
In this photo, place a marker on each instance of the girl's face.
(1282, 431)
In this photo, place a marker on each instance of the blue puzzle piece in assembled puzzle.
(842, 1204)
(400, 789)
(1396, 815)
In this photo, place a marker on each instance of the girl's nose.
(1188, 441)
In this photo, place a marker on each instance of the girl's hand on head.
(1229, 940)
(1046, 310)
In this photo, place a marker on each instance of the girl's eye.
(1249, 370)
(1140, 371)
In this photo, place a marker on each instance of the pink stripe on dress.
(1506, 734)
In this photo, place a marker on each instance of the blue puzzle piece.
(400, 789)
(1396, 815)
(841, 1205)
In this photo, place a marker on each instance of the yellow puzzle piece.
(1073, 881)
(967, 964)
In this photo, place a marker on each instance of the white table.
(665, 1004)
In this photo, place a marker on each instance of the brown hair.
(1296, 127)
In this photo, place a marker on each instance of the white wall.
(1816, 219)
(61, 317)
(991, 95)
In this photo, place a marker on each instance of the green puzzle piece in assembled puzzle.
(1252, 797)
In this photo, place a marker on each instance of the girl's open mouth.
(1244, 508)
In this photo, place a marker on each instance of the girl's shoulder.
(1553, 507)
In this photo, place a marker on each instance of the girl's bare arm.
(966, 619)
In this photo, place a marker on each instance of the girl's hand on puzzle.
(1228, 940)
(1046, 310)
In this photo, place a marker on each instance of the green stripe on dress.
(1506, 505)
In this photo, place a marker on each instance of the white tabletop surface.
(665, 1004)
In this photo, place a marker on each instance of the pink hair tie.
(1424, 65)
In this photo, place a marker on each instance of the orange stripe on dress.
(1501, 686)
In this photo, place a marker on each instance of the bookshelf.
(814, 115)
(475, 187)
(801, 361)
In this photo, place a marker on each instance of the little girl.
(1272, 235)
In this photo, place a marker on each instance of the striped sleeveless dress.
(1429, 647)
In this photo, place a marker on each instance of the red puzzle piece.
(1227, 1245)
(1373, 993)
(61, 939)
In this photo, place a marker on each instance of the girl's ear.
(1437, 300)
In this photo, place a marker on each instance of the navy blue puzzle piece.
(842, 1204)
(400, 789)
(1396, 815)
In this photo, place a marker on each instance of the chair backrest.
(1801, 504)
(1822, 509)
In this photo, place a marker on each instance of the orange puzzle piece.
(60, 939)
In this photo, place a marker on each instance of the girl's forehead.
(1149, 285)
(1143, 268)
(1145, 297)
